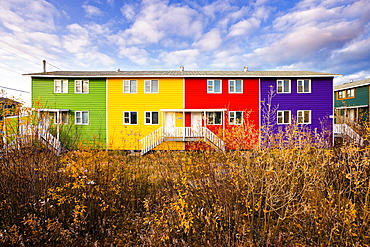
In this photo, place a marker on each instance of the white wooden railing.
(40, 132)
(179, 134)
(345, 131)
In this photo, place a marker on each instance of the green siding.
(361, 98)
(95, 102)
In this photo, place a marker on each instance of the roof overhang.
(351, 107)
(193, 110)
(50, 110)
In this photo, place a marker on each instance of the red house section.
(206, 103)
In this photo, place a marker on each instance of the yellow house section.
(126, 137)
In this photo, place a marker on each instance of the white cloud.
(188, 58)
(24, 15)
(128, 11)
(210, 41)
(244, 27)
(136, 55)
(92, 11)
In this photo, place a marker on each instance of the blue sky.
(319, 35)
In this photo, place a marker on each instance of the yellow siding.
(126, 137)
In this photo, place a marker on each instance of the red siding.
(196, 97)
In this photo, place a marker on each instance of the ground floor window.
(304, 116)
(151, 117)
(130, 117)
(283, 117)
(82, 117)
(214, 118)
(235, 117)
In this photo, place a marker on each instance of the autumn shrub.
(286, 195)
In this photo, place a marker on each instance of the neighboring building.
(144, 110)
(352, 101)
(8, 107)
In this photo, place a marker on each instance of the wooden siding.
(94, 133)
(319, 101)
(361, 98)
(126, 137)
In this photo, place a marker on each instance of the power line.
(32, 55)
(15, 89)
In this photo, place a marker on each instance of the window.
(82, 117)
(130, 86)
(304, 117)
(214, 118)
(81, 86)
(283, 117)
(235, 86)
(60, 86)
(344, 94)
(63, 117)
(214, 86)
(235, 117)
(151, 117)
(283, 86)
(129, 117)
(304, 86)
(151, 86)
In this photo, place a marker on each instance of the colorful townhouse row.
(144, 110)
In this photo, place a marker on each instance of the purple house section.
(319, 101)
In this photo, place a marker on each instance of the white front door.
(169, 123)
(196, 123)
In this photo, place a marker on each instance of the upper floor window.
(235, 86)
(304, 86)
(60, 86)
(130, 86)
(130, 117)
(214, 86)
(151, 86)
(283, 117)
(81, 86)
(235, 117)
(304, 116)
(151, 117)
(214, 118)
(283, 86)
(344, 94)
(82, 117)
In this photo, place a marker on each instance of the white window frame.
(282, 88)
(233, 117)
(211, 86)
(211, 117)
(149, 88)
(301, 116)
(63, 117)
(301, 85)
(129, 86)
(130, 118)
(233, 87)
(83, 88)
(281, 115)
(81, 122)
(63, 85)
(148, 117)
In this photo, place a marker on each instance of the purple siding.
(319, 101)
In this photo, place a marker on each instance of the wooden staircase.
(346, 132)
(180, 134)
(36, 132)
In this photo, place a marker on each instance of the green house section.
(72, 135)
(360, 102)
(361, 98)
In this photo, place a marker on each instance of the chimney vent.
(44, 66)
(118, 70)
(350, 80)
(182, 68)
(245, 68)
